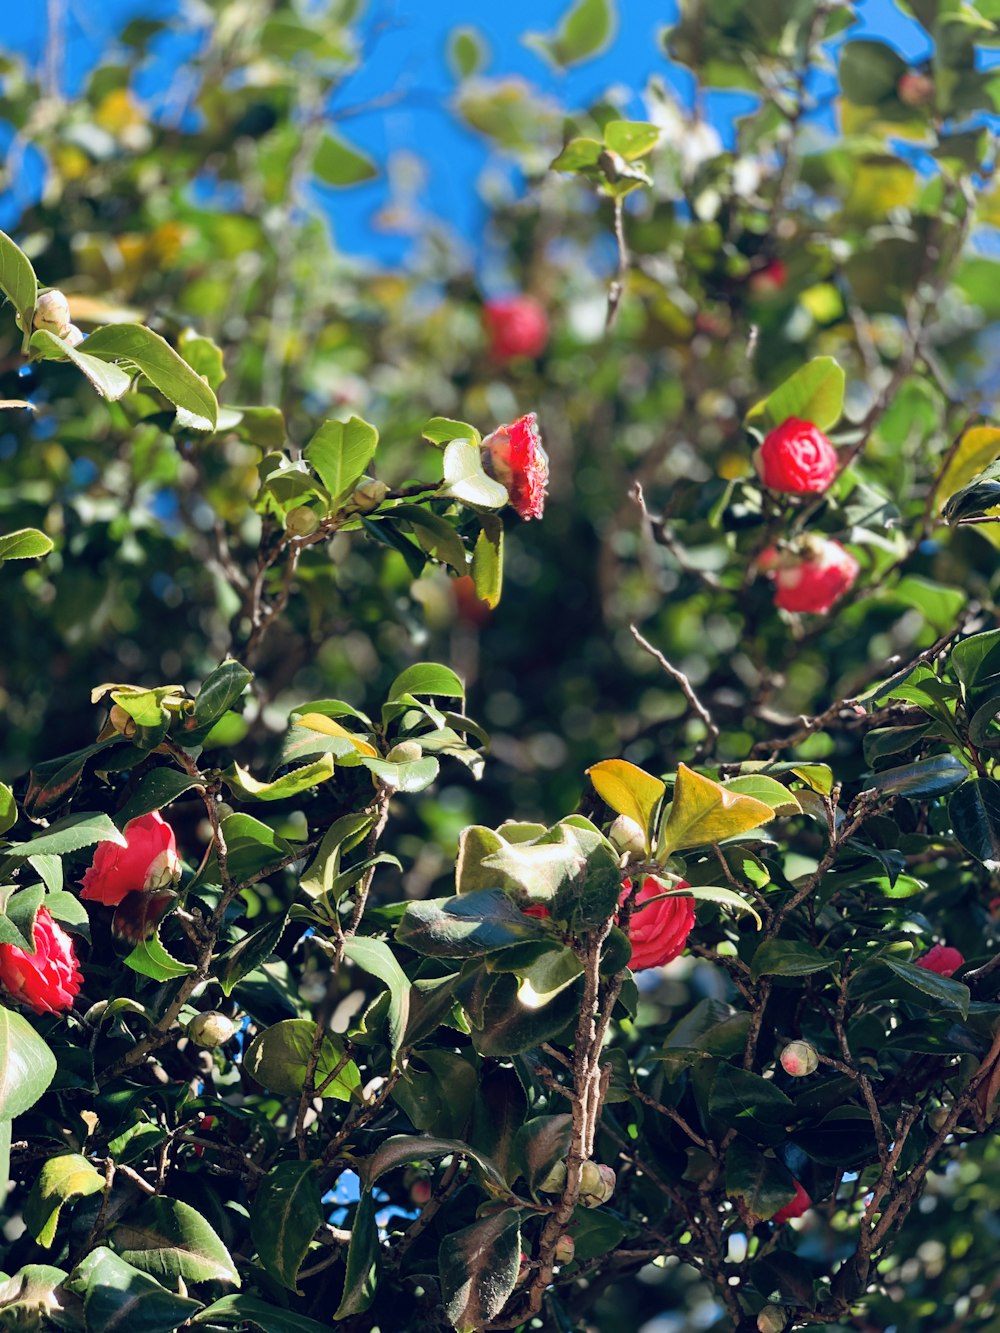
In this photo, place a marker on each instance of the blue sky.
(410, 54)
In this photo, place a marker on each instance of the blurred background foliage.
(850, 212)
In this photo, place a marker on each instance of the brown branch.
(695, 704)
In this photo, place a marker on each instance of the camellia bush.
(501, 822)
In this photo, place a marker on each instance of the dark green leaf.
(155, 790)
(17, 281)
(69, 835)
(760, 1181)
(361, 1277)
(541, 1143)
(788, 958)
(402, 1149)
(479, 1267)
(249, 1311)
(934, 776)
(246, 954)
(286, 1214)
(467, 926)
(278, 1059)
(118, 1298)
(751, 1104)
(974, 811)
(375, 957)
(27, 1066)
(170, 1240)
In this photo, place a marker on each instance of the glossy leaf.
(118, 1298)
(62, 1178)
(281, 789)
(766, 789)
(169, 1240)
(763, 1184)
(69, 835)
(628, 790)
(278, 1059)
(361, 1273)
(468, 926)
(703, 811)
(934, 776)
(340, 451)
(478, 1267)
(151, 959)
(17, 280)
(813, 393)
(248, 953)
(487, 560)
(162, 366)
(25, 544)
(286, 1214)
(788, 958)
(974, 811)
(248, 1311)
(109, 380)
(402, 1149)
(27, 1066)
(375, 957)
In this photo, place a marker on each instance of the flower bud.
(211, 1029)
(627, 835)
(122, 722)
(405, 752)
(565, 1250)
(421, 1191)
(301, 521)
(915, 89)
(799, 1058)
(555, 1180)
(597, 1184)
(52, 312)
(772, 1319)
(369, 495)
(72, 335)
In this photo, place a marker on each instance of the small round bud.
(524, 1268)
(52, 312)
(421, 1191)
(122, 722)
(555, 1180)
(405, 752)
(799, 1058)
(597, 1184)
(627, 835)
(211, 1029)
(915, 89)
(72, 335)
(565, 1250)
(937, 1119)
(369, 495)
(772, 1319)
(301, 521)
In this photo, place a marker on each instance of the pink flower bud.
(799, 1058)
(797, 458)
(517, 326)
(915, 89)
(420, 1192)
(565, 1250)
(942, 959)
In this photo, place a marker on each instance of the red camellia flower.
(813, 583)
(149, 861)
(537, 910)
(942, 959)
(796, 458)
(514, 456)
(659, 932)
(517, 326)
(796, 1208)
(48, 979)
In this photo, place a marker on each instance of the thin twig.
(687, 689)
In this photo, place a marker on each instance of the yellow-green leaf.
(628, 790)
(978, 448)
(328, 727)
(64, 1177)
(703, 812)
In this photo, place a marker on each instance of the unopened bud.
(211, 1029)
(52, 312)
(915, 89)
(122, 722)
(369, 495)
(301, 521)
(799, 1058)
(421, 1191)
(772, 1319)
(627, 835)
(524, 1268)
(72, 335)
(565, 1250)
(555, 1180)
(597, 1184)
(405, 752)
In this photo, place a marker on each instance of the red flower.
(942, 959)
(48, 979)
(658, 933)
(812, 584)
(769, 280)
(538, 910)
(514, 456)
(517, 326)
(796, 458)
(149, 861)
(796, 1208)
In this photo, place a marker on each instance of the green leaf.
(631, 139)
(933, 991)
(53, 781)
(18, 281)
(467, 926)
(542, 1142)
(252, 846)
(24, 544)
(151, 959)
(751, 1104)
(478, 1267)
(342, 835)
(17, 916)
(934, 776)
(155, 790)
(442, 430)
(278, 1059)
(627, 790)
(844, 1138)
(413, 775)
(788, 958)
(769, 790)
(109, 380)
(424, 680)
(467, 52)
(466, 480)
(170, 1240)
(8, 808)
(361, 1276)
(435, 534)
(220, 690)
(156, 359)
(704, 812)
(338, 163)
(248, 1310)
(375, 957)
(715, 893)
(27, 1066)
(118, 1298)
(69, 835)
(977, 449)
(761, 1182)
(974, 811)
(814, 393)
(340, 452)
(203, 356)
(248, 953)
(498, 1114)
(870, 73)
(286, 1214)
(436, 1093)
(580, 154)
(487, 560)
(402, 1149)
(505, 1026)
(586, 29)
(289, 784)
(62, 1178)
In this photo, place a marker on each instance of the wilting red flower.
(149, 861)
(538, 910)
(517, 326)
(796, 1208)
(796, 457)
(48, 979)
(514, 456)
(942, 959)
(659, 932)
(813, 583)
